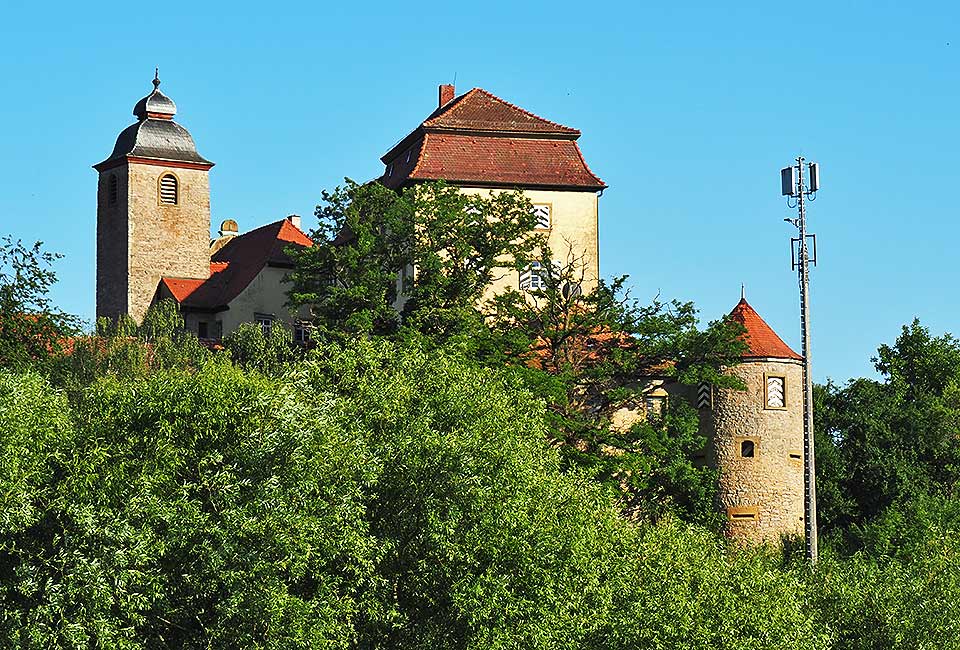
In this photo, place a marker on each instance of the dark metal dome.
(155, 135)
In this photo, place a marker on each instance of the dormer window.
(169, 190)
(113, 190)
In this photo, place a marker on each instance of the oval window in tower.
(169, 190)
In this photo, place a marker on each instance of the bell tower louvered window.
(542, 212)
(113, 190)
(169, 190)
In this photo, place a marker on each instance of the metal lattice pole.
(809, 462)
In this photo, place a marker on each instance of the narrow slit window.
(113, 190)
(169, 190)
(744, 515)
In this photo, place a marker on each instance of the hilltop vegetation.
(443, 477)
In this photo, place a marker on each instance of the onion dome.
(155, 136)
(156, 104)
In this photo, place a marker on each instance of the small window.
(775, 393)
(747, 448)
(390, 169)
(301, 332)
(169, 190)
(265, 321)
(654, 406)
(743, 513)
(542, 212)
(409, 153)
(203, 330)
(113, 190)
(531, 278)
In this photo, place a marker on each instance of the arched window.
(747, 448)
(169, 190)
(113, 190)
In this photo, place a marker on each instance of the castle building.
(484, 144)
(153, 234)
(153, 243)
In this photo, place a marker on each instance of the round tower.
(757, 438)
(153, 209)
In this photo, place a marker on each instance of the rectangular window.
(774, 392)
(542, 212)
(203, 330)
(265, 321)
(654, 406)
(531, 278)
(301, 332)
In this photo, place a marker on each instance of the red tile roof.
(479, 138)
(761, 340)
(479, 110)
(236, 264)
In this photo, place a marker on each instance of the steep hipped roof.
(236, 264)
(481, 139)
(762, 341)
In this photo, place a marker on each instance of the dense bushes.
(382, 497)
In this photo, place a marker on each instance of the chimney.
(295, 220)
(447, 93)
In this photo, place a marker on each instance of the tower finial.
(743, 292)
(156, 77)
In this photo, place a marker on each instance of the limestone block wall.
(112, 240)
(164, 240)
(761, 495)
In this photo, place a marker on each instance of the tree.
(589, 353)
(896, 438)
(431, 245)
(31, 327)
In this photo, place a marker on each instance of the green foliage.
(31, 328)
(383, 495)
(271, 353)
(894, 439)
(124, 350)
(590, 353)
(431, 245)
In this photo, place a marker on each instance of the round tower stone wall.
(757, 445)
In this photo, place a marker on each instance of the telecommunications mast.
(801, 256)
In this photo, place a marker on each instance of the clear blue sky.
(688, 111)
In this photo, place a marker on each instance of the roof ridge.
(458, 103)
(526, 112)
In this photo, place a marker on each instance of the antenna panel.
(788, 181)
(814, 176)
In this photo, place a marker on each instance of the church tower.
(153, 210)
(757, 437)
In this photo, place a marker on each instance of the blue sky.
(688, 111)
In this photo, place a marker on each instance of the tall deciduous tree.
(591, 352)
(432, 246)
(31, 327)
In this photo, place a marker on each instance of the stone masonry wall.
(112, 245)
(165, 240)
(761, 496)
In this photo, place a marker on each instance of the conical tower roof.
(762, 342)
